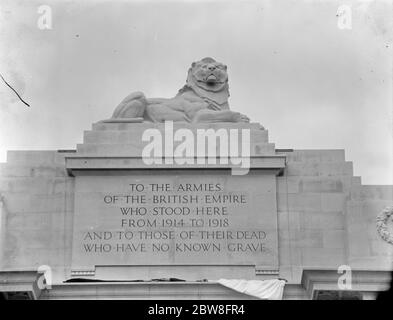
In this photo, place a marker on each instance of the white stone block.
(333, 202)
(317, 156)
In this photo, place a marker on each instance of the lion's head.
(209, 79)
(208, 74)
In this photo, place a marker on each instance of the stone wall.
(36, 211)
(326, 218)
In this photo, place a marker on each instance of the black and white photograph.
(184, 150)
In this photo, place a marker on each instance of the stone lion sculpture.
(204, 98)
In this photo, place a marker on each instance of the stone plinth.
(131, 214)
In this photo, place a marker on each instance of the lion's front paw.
(238, 117)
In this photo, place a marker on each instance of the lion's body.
(204, 98)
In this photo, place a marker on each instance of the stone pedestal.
(154, 220)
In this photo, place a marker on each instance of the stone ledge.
(20, 282)
(80, 163)
(176, 125)
(144, 290)
(136, 149)
(362, 280)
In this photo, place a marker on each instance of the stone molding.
(362, 280)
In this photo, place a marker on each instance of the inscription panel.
(204, 217)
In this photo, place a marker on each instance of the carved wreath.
(382, 228)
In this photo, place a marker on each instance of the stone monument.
(185, 188)
(176, 212)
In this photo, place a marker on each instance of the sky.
(291, 67)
